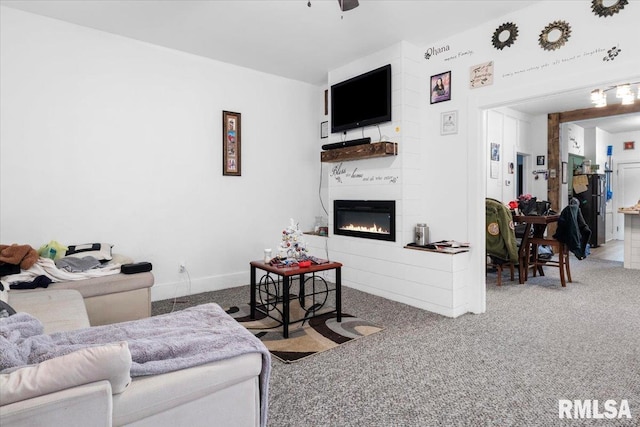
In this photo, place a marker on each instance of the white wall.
(602, 139)
(512, 130)
(537, 146)
(620, 155)
(146, 120)
(426, 280)
(107, 139)
(596, 141)
(521, 72)
(623, 158)
(573, 140)
(454, 170)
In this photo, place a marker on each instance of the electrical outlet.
(183, 267)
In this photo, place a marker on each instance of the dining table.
(536, 225)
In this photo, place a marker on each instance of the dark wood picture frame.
(231, 143)
(440, 87)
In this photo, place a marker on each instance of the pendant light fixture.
(624, 92)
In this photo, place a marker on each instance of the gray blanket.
(158, 344)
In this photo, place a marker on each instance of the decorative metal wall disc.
(561, 26)
(601, 10)
(509, 27)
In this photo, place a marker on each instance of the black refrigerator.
(593, 206)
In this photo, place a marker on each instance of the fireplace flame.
(364, 229)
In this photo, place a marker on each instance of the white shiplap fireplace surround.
(431, 281)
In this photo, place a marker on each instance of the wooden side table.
(285, 273)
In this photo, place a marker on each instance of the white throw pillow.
(110, 362)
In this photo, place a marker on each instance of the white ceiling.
(284, 37)
(291, 39)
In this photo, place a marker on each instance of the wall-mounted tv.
(362, 100)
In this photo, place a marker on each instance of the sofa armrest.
(88, 405)
(111, 362)
(227, 391)
(58, 310)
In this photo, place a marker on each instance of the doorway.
(521, 173)
(627, 189)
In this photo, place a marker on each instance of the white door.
(627, 192)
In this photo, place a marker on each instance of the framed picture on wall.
(324, 130)
(540, 160)
(495, 152)
(231, 132)
(441, 87)
(449, 123)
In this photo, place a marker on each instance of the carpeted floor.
(537, 343)
(319, 333)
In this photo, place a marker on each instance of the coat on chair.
(573, 230)
(501, 237)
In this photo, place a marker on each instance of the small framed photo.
(324, 130)
(441, 87)
(449, 123)
(629, 145)
(540, 160)
(231, 131)
(495, 152)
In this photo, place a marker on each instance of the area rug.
(307, 338)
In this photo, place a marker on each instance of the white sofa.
(110, 299)
(222, 393)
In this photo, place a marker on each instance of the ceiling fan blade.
(348, 4)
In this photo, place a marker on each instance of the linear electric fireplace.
(368, 219)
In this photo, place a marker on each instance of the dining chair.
(572, 235)
(501, 243)
(562, 262)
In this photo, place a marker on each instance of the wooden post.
(553, 163)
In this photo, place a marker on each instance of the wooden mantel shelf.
(357, 152)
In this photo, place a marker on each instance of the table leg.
(339, 294)
(252, 300)
(538, 231)
(301, 294)
(285, 307)
(523, 254)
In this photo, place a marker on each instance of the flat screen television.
(363, 100)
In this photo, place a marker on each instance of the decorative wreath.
(603, 11)
(513, 35)
(565, 32)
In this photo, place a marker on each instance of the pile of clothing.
(15, 257)
(22, 267)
